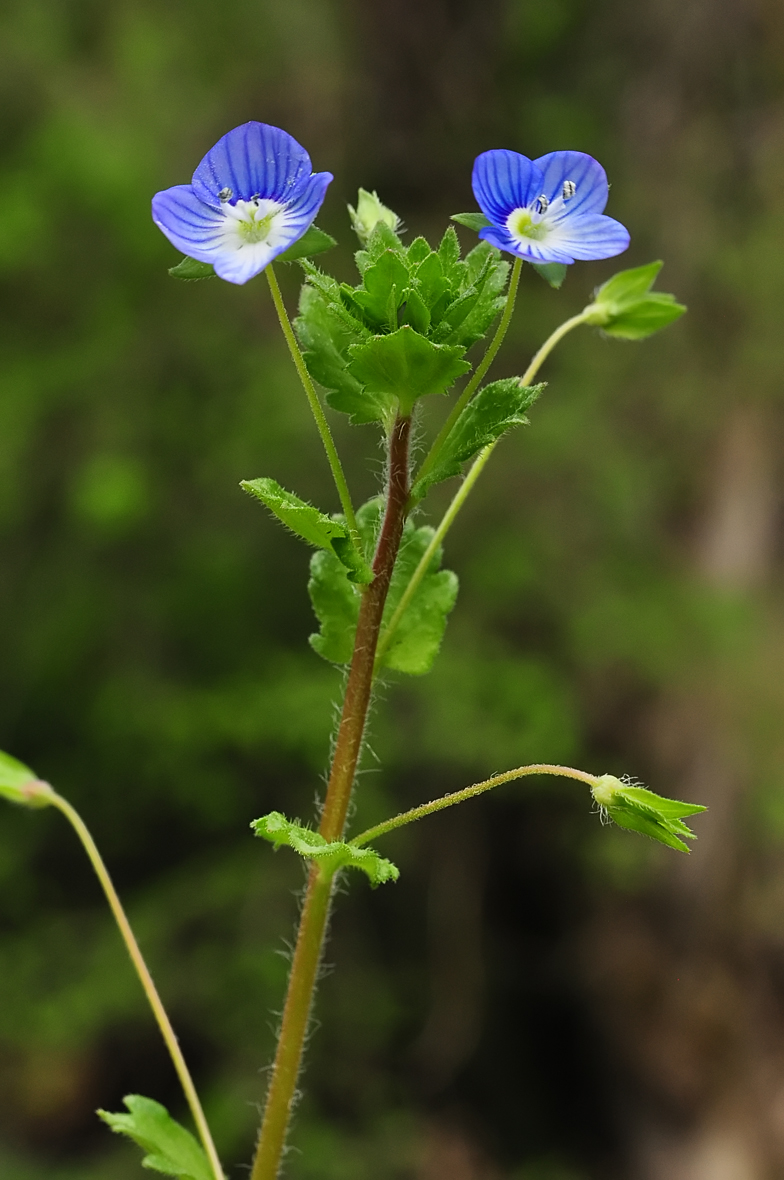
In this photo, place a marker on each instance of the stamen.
(569, 189)
(225, 194)
(541, 203)
(256, 197)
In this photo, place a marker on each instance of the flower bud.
(368, 213)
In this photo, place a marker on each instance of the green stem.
(462, 493)
(481, 369)
(315, 405)
(150, 990)
(409, 817)
(348, 745)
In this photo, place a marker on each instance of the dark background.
(539, 998)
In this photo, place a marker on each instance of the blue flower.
(252, 196)
(546, 210)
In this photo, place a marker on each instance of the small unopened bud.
(368, 213)
(20, 785)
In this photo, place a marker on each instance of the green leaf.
(419, 634)
(639, 810)
(406, 366)
(475, 221)
(326, 331)
(495, 409)
(313, 241)
(415, 313)
(626, 307)
(332, 855)
(418, 251)
(553, 273)
(325, 532)
(170, 1148)
(19, 784)
(189, 269)
(382, 238)
(485, 273)
(430, 282)
(335, 600)
(449, 254)
(383, 289)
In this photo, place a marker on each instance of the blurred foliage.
(153, 622)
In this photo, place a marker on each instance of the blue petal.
(188, 223)
(252, 159)
(591, 236)
(586, 174)
(532, 251)
(503, 181)
(305, 203)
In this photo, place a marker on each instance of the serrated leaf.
(336, 601)
(326, 331)
(449, 254)
(406, 365)
(318, 529)
(190, 270)
(334, 598)
(497, 407)
(382, 238)
(383, 288)
(20, 784)
(640, 810)
(334, 855)
(626, 307)
(475, 221)
(313, 241)
(553, 273)
(418, 636)
(170, 1148)
(488, 273)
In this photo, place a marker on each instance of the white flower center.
(253, 223)
(527, 223)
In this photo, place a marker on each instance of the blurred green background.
(538, 998)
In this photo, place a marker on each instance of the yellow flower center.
(522, 224)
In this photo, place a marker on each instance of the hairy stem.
(150, 990)
(315, 910)
(462, 492)
(424, 809)
(318, 411)
(476, 379)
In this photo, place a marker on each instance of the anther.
(569, 189)
(225, 194)
(542, 203)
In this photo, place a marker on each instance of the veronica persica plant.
(377, 347)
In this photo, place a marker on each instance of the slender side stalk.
(150, 990)
(409, 817)
(481, 369)
(315, 910)
(462, 493)
(318, 411)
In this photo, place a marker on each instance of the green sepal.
(336, 601)
(318, 529)
(475, 221)
(640, 810)
(313, 241)
(497, 407)
(19, 784)
(333, 855)
(406, 365)
(191, 269)
(626, 307)
(170, 1148)
(553, 273)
